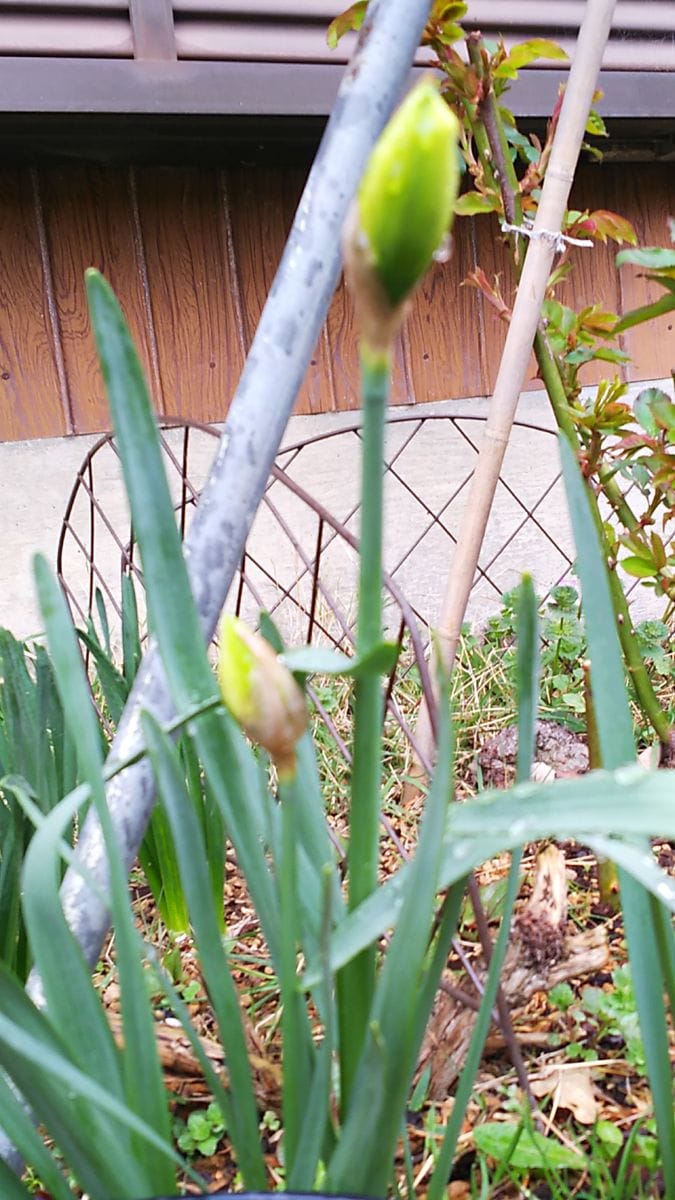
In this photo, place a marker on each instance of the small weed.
(602, 1017)
(616, 1016)
(513, 1159)
(482, 686)
(201, 1133)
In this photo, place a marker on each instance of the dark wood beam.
(161, 87)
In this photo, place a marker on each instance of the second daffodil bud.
(403, 210)
(261, 693)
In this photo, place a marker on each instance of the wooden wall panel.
(491, 255)
(192, 254)
(344, 351)
(263, 207)
(31, 399)
(194, 294)
(443, 330)
(594, 278)
(317, 393)
(89, 223)
(646, 193)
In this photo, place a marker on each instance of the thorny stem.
(503, 168)
(637, 670)
(549, 371)
(478, 127)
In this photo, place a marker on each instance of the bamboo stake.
(543, 239)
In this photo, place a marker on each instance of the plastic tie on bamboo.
(558, 239)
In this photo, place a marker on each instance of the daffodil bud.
(260, 692)
(403, 210)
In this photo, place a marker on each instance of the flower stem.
(357, 980)
(296, 1036)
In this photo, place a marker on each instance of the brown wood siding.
(192, 254)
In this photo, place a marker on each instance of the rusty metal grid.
(300, 561)
(93, 517)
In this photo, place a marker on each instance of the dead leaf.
(650, 757)
(572, 1089)
(542, 772)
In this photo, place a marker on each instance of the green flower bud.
(260, 692)
(403, 210)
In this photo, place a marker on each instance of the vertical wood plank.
(88, 220)
(195, 316)
(594, 278)
(342, 336)
(31, 403)
(318, 390)
(444, 327)
(492, 256)
(645, 196)
(263, 204)
(155, 378)
(259, 227)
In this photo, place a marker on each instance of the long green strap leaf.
(242, 1117)
(19, 1127)
(617, 746)
(45, 1075)
(143, 1080)
(171, 609)
(175, 624)
(363, 1157)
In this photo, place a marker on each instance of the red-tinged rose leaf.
(603, 225)
(472, 203)
(478, 279)
(349, 21)
(615, 408)
(597, 320)
(528, 52)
